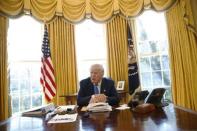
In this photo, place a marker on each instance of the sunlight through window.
(152, 45)
(24, 58)
(90, 46)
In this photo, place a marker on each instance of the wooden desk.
(70, 99)
(169, 118)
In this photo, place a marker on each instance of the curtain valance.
(77, 10)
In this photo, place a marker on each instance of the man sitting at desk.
(96, 88)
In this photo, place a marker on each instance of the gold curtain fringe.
(188, 24)
(75, 11)
(192, 29)
(11, 7)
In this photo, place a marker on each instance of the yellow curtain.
(117, 49)
(4, 110)
(183, 58)
(194, 6)
(10, 7)
(43, 9)
(77, 10)
(61, 35)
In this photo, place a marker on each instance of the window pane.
(145, 64)
(165, 62)
(36, 100)
(144, 47)
(24, 87)
(166, 78)
(155, 63)
(15, 104)
(157, 79)
(36, 88)
(146, 79)
(153, 46)
(25, 103)
(14, 88)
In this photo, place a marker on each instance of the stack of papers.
(61, 110)
(63, 118)
(99, 107)
(123, 107)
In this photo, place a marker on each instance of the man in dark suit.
(96, 88)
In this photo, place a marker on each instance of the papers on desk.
(63, 118)
(61, 110)
(99, 107)
(123, 107)
(67, 107)
(39, 111)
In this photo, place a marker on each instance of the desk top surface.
(75, 94)
(168, 118)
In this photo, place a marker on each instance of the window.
(24, 58)
(90, 46)
(152, 46)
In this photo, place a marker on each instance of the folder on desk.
(39, 111)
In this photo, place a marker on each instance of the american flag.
(47, 78)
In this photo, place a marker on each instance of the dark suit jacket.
(87, 89)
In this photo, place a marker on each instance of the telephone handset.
(156, 96)
(138, 98)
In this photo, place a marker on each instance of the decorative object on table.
(120, 85)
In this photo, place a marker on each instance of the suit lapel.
(103, 88)
(90, 85)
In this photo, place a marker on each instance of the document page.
(63, 118)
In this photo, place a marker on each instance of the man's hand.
(98, 98)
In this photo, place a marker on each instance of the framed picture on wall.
(120, 85)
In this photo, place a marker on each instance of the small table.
(122, 94)
(70, 98)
